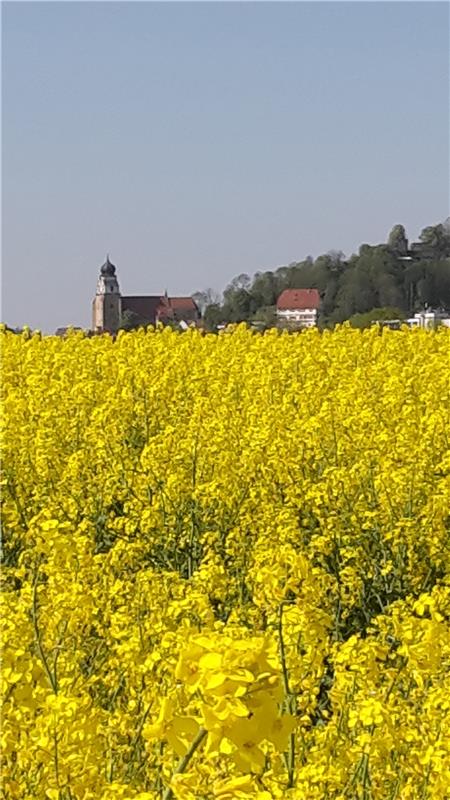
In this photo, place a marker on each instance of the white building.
(428, 319)
(298, 308)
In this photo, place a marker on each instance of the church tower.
(106, 307)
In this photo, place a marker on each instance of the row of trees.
(390, 277)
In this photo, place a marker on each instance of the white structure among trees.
(298, 308)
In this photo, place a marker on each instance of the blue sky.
(196, 141)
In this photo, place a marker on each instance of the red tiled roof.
(298, 299)
(180, 303)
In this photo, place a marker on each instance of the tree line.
(387, 280)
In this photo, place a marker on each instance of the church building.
(111, 310)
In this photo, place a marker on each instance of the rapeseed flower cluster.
(226, 566)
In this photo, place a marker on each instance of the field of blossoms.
(226, 566)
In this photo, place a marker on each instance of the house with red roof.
(298, 308)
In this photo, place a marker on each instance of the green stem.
(183, 763)
(290, 700)
(137, 737)
(43, 657)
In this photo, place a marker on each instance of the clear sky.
(196, 141)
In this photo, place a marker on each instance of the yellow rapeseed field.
(226, 566)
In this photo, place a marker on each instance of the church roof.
(182, 303)
(150, 308)
(146, 307)
(108, 269)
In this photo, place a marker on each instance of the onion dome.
(107, 269)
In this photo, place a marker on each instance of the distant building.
(65, 331)
(298, 308)
(429, 319)
(419, 251)
(112, 310)
(394, 324)
(150, 309)
(106, 307)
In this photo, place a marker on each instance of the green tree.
(129, 320)
(436, 241)
(238, 304)
(376, 314)
(213, 316)
(433, 284)
(356, 294)
(266, 316)
(326, 278)
(397, 241)
(205, 298)
(264, 289)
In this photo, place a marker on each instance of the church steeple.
(107, 269)
(107, 302)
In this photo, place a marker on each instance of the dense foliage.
(386, 275)
(226, 566)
